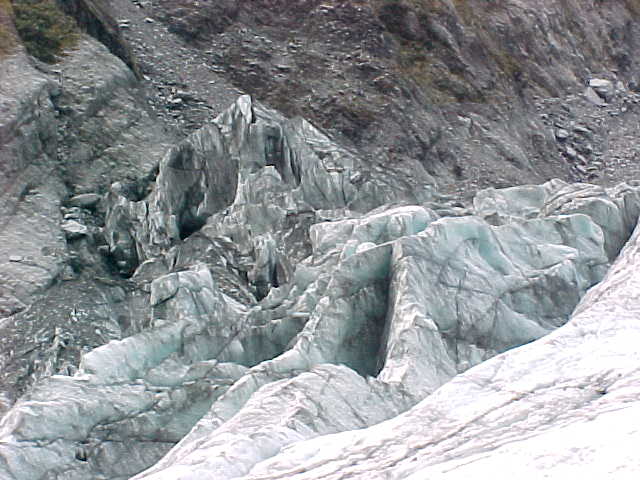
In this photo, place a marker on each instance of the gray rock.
(30, 192)
(561, 134)
(592, 96)
(73, 229)
(604, 88)
(85, 200)
(98, 18)
(107, 132)
(571, 153)
(60, 124)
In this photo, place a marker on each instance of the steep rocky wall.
(61, 132)
(64, 127)
(27, 132)
(28, 144)
(511, 49)
(449, 87)
(96, 17)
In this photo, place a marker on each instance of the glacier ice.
(309, 319)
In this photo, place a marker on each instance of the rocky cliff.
(321, 240)
(458, 89)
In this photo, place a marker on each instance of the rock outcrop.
(68, 132)
(96, 18)
(458, 89)
(28, 145)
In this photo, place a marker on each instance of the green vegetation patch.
(44, 29)
(7, 39)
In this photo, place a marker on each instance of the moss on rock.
(44, 29)
(7, 36)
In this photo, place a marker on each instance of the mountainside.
(455, 89)
(319, 240)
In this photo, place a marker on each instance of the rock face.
(28, 146)
(61, 134)
(255, 300)
(96, 18)
(454, 88)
